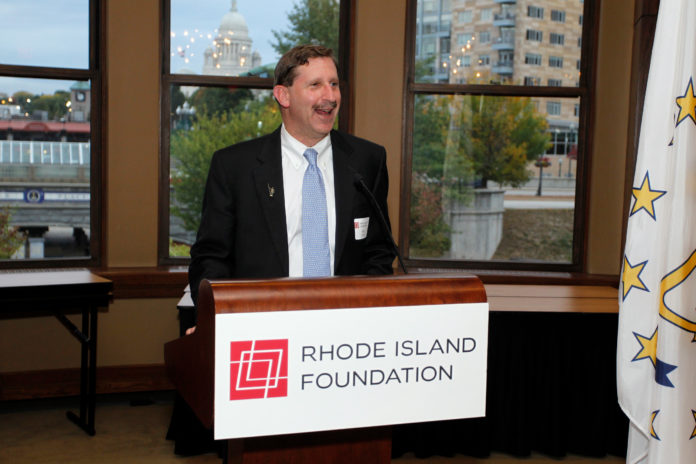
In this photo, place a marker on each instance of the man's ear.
(280, 92)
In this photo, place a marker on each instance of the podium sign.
(311, 370)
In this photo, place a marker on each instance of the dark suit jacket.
(243, 232)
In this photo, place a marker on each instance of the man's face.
(311, 103)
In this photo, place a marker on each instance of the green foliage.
(429, 235)
(210, 101)
(191, 151)
(462, 142)
(499, 136)
(11, 239)
(311, 21)
(179, 250)
(431, 123)
(433, 143)
(20, 97)
(53, 104)
(177, 97)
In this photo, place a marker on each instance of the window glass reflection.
(45, 159)
(45, 33)
(525, 44)
(206, 119)
(493, 178)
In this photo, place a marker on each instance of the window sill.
(507, 290)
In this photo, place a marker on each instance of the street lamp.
(185, 113)
(542, 162)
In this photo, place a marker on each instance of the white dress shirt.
(294, 166)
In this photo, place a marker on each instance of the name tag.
(360, 226)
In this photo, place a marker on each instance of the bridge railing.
(44, 152)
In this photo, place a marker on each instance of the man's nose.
(330, 91)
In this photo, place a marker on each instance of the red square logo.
(258, 369)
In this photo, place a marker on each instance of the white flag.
(656, 351)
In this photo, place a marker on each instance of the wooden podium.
(190, 359)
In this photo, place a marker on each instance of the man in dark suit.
(251, 224)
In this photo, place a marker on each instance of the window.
(465, 39)
(553, 108)
(466, 61)
(532, 58)
(534, 35)
(484, 60)
(558, 16)
(477, 141)
(465, 16)
(535, 12)
(557, 39)
(217, 89)
(564, 141)
(556, 61)
(50, 137)
(484, 37)
(486, 15)
(445, 45)
(429, 46)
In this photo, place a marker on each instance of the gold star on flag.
(631, 277)
(648, 347)
(687, 104)
(645, 197)
(653, 415)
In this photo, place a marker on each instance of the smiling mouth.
(326, 109)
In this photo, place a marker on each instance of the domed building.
(231, 53)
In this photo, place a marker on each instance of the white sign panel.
(302, 371)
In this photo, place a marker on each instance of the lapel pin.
(271, 191)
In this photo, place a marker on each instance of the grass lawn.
(536, 234)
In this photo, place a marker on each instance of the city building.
(513, 42)
(231, 52)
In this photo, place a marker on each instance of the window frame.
(532, 59)
(535, 12)
(345, 60)
(94, 73)
(584, 92)
(560, 16)
(557, 38)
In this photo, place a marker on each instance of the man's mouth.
(326, 109)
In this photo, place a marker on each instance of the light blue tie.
(316, 258)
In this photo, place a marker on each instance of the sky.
(55, 34)
(262, 16)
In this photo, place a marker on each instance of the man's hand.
(190, 330)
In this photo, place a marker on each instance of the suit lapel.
(268, 178)
(343, 186)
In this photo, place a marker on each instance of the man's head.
(306, 88)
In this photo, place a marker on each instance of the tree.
(191, 151)
(54, 105)
(428, 233)
(177, 97)
(498, 136)
(217, 100)
(11, 239)
(311, 21)
(21, 97)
